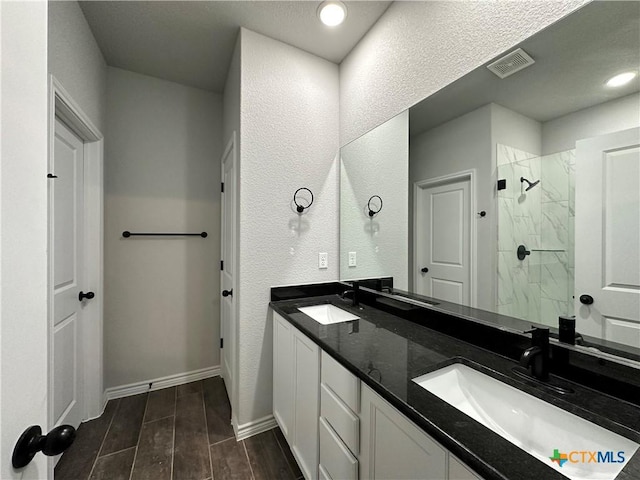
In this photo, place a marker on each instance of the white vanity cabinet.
(393, 447)
(340, 429)
(296, 397)
(339, 421)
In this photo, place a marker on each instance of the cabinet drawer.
(335, 457)
(343, 383)
(343, 421)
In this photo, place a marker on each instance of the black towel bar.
(127, 234)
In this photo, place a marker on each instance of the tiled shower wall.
(540, 287)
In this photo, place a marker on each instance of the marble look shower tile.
(571, 285)
(555, 177)
(571, 249)
(572, 181)
(554, 280)
(506, 310)
(520, 302)
(550, 310)
(505, 277)
(535, 268)
(535, 298)
(533, 241)
(505, 225)
(503, 156)
(522, 229)
(555, 229)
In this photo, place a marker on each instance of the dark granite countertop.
(387, 352)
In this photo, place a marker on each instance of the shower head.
(531, 185)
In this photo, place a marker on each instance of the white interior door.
(442, 247)
(228, 266)
(66, 223)
(607, 236)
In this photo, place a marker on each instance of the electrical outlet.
(323, 260)
(352, 259)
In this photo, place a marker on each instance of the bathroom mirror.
(515, 195)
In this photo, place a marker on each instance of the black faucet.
(355, 291)
(536, 357)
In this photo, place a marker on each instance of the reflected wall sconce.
(302, 208)
(373, 212)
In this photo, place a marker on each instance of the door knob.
(586, 299)
(227, 293)
(32, 441)
(424, 269)
(88, 295)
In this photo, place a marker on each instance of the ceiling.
(192, 42)
(574, 58)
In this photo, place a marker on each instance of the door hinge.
(222, 343)
(51, 175)
(221, 265)
(222, 187)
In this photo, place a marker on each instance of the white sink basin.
(531, 424)
(328, 314)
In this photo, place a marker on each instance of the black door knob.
(88, 295)
(424, 269)
(32, 441)
(226, 293)
(586, 299)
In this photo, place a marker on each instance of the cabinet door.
(393, 448)
(459, 471)
(283, 375)
(306, 399)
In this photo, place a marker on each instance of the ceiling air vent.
(511, 63)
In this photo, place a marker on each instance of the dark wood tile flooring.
(178, 433)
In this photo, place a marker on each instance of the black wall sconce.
(302, 208)
(373, 212)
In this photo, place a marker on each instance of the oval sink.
(327, 314)
(573, 446)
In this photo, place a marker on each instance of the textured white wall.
(76, 61)
(376, 164)
(562, 133)
(231, 101)
(23, 229)
(289, 122)
(162, 173)
(462, 144)
(416, 48)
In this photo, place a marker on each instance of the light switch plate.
(323, 260)
(352, 259)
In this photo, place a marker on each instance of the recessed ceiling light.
(332, 13)
(621, 79)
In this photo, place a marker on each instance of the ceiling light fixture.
(621, 79)
(332, 13)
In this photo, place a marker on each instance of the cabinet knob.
(227, 293)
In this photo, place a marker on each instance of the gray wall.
(76, 61)
(289, 136)
(416, 48)
(562, 133)
(162, 173)
(461, 144)
(376, 164)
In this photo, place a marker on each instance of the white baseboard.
(250, 429)
(159, 383)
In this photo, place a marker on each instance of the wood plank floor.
(178, 433)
